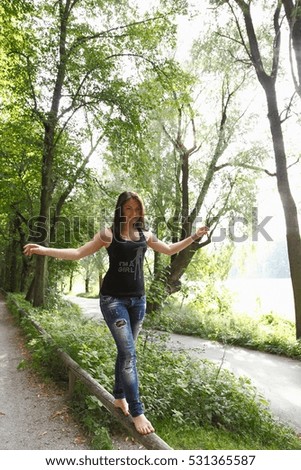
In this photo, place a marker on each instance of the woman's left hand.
(202, 231)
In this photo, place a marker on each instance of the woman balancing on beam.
(122, 299)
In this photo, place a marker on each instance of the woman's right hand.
(33, 249)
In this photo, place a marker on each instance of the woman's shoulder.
(106, 235)
(148, 235)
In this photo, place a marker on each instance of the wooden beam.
(150, 441)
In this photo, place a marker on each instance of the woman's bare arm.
(101, 239)
(173, 248)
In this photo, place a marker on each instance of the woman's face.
(131, 209)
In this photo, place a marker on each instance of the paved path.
(277, 378)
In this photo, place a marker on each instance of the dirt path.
(32, 415)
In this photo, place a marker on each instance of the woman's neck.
(128, 231)
(127, 228)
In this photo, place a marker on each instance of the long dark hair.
(118, 217)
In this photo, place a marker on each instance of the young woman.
(122, 295)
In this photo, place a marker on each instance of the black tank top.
(124, 277)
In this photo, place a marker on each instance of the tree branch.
(244, 165)
(31, 86)
(108, 32)
(277, 40)
(242, 39)
(253, 43)
(76, 175)
(293, 164)
(287, 109)
(293, 15)
(218, 151)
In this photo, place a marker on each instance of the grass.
(207, 437)
(193, 403)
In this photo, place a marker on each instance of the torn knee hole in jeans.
(120, 323)
(129, 366)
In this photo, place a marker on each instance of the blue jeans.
(124, 317)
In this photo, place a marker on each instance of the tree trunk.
(71, 281)
(168, 280)
(289, 207)
(43, 221)
(87, 285)
(24, 274)
(11, 277)
(178, 267)
(10, 268)
(100, 280)
(50, 125)
(288, 203)
(40, 280)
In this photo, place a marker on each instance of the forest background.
(186, 103)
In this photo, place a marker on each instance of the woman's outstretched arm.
(102, 238)
(173, 248)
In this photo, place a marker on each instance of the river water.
(260, 296)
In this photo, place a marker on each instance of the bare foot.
(123, 405)
(143, 425)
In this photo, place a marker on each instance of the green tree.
(86, 210)
(18, 137)
(70, 58)
(194, 167)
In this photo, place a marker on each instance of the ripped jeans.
(124, 317)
